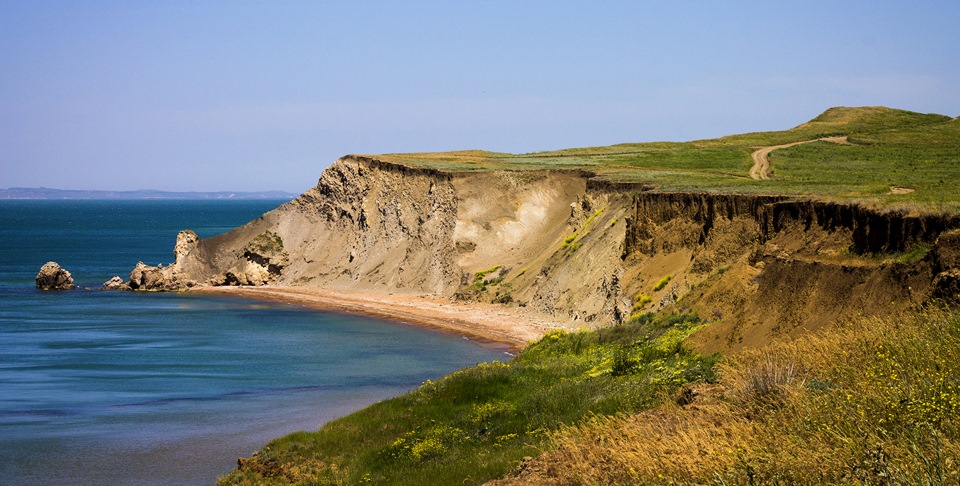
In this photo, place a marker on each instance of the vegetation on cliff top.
(894, 157)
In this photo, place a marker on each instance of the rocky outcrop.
(145, 277)
(54, 277)
(173, 277)
(170, 278)
(261, 262)
(115, 283)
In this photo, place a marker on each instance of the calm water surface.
(130, 388)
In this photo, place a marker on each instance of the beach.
(491, 323)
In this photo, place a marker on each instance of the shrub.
(641, 300)
(661, 283)
(266, 242)
(421, 445)
(765, 380)
(480, 281)
(592, 217)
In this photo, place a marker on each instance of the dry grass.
(876, 402)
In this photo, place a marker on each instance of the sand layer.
(485, 322)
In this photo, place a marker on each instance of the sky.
(208, 95)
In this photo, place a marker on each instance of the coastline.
(486, 323)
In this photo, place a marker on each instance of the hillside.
(663, 254)
(887, 149)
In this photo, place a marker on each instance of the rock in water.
(115, 283)
(145, 277)
(53, 277)
(166, 278)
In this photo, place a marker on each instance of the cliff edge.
(585, 251)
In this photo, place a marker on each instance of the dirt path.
(761, 158)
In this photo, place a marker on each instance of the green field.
(889, 148)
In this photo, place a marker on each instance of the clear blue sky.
(257, 95)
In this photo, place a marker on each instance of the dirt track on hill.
(761, 158)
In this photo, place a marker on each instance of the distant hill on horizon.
(47, 193)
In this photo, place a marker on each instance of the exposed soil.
(901, 190)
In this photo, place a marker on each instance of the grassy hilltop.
(863, 400)
(886, 148)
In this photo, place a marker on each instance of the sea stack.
(54, 277)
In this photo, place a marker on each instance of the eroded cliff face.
(760, 267)
(588, 252)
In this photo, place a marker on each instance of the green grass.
(890, 148)
(478, 423)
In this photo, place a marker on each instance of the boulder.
(115, 283)
(54, 277)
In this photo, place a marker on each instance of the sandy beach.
(480, 321)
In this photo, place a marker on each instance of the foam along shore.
(484, 322)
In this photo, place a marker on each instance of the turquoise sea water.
(131, 388)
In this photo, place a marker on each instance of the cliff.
(589, 252)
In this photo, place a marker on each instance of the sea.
(117, 388)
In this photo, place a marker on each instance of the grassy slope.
(891, 148)
(476, 424)
(875, 401)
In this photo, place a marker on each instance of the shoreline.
(489, 324)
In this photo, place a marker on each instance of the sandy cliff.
(585, 251)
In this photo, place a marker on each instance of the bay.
(166, 388)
